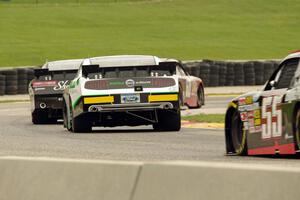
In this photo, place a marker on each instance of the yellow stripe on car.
(163, 97)
(93, 100)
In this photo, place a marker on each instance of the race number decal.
(271, 117)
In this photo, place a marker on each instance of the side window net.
(287, 73)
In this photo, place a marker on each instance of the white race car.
(124, 90)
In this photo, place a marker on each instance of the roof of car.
(60, 65)
(292, 55)
(126, 60)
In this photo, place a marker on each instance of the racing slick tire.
(41, 117)
(168, 120)
(181, 102)
(81, 124)
(237, 136)
(67, 115)
(201, 98)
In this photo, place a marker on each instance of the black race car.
(46, 90)
(267, 121)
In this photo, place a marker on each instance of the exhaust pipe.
(43, 105)
(168, 106)
(93, 109)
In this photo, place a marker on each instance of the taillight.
(163, 82)
(96, 85)
(44, 83)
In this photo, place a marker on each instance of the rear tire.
(200, 96)
(168, 120)
(41, 117)
(65, 115)
(81, 124)
(238, 135)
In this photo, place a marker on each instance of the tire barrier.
(231, 73)
(22, 80)
(213, 73)
(2, 84)
(11, 81)
(15, 81)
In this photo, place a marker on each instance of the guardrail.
(213, 73)
(41, 178)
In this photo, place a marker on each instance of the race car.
(267, 121)
(129, 90)
(46, 90)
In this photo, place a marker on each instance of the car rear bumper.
(48, 102)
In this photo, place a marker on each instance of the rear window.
(287, 73)
(59, 75)
(129, 72)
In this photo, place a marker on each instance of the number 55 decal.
(271, 117)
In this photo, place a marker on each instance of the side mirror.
(273, 83)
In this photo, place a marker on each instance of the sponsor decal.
(257, 122)
(251, 122)
(130, 83)
(251, 114)
(61, 85)
(246, 125)
(143, 83)
(242, 108)
(116, 83)
(242, 101)
(38, 89)
(244, 116)
(257, 114)
(249, 107)
(249, 100)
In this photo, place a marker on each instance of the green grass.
(185, 29)
(208, 118)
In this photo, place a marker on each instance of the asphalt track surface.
(18, 137)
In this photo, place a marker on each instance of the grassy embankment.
(184, 29)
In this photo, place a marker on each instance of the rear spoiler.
(41, 72)
(87, 69)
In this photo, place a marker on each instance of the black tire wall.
(231, 73)
(212, 72)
